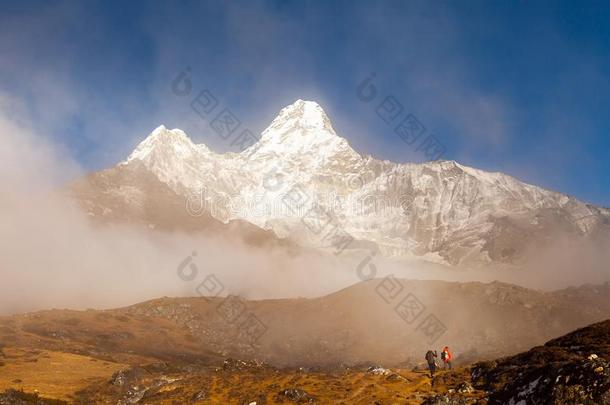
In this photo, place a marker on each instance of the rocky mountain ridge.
(438, 211)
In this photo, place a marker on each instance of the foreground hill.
(374, 321)
(570, 370)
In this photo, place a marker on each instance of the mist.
(55, 256)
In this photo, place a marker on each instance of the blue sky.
(518, 87)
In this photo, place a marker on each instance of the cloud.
(54, 256)
(70, 92)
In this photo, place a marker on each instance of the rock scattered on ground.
(378, 370)
(297, 395)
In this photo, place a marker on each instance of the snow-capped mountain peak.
(442, 210)
(164, 141)
(307, 115)
(300, 130)
(164, 135)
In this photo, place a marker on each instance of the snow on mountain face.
(300, 128)
(440, 210)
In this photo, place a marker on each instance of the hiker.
(446, 358)
(430, 358)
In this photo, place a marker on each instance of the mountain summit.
(440, 211)
(302, 130)
(307, 115)
(163, 138)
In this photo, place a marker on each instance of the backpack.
(429, 356)
(443, 355)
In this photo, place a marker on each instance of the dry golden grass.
(72, 355)
(266, 386)
(51, 374)
(83, 379)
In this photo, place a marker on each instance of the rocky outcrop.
(570, 370)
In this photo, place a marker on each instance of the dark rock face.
(573, 369)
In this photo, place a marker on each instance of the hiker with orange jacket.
(446, 358)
